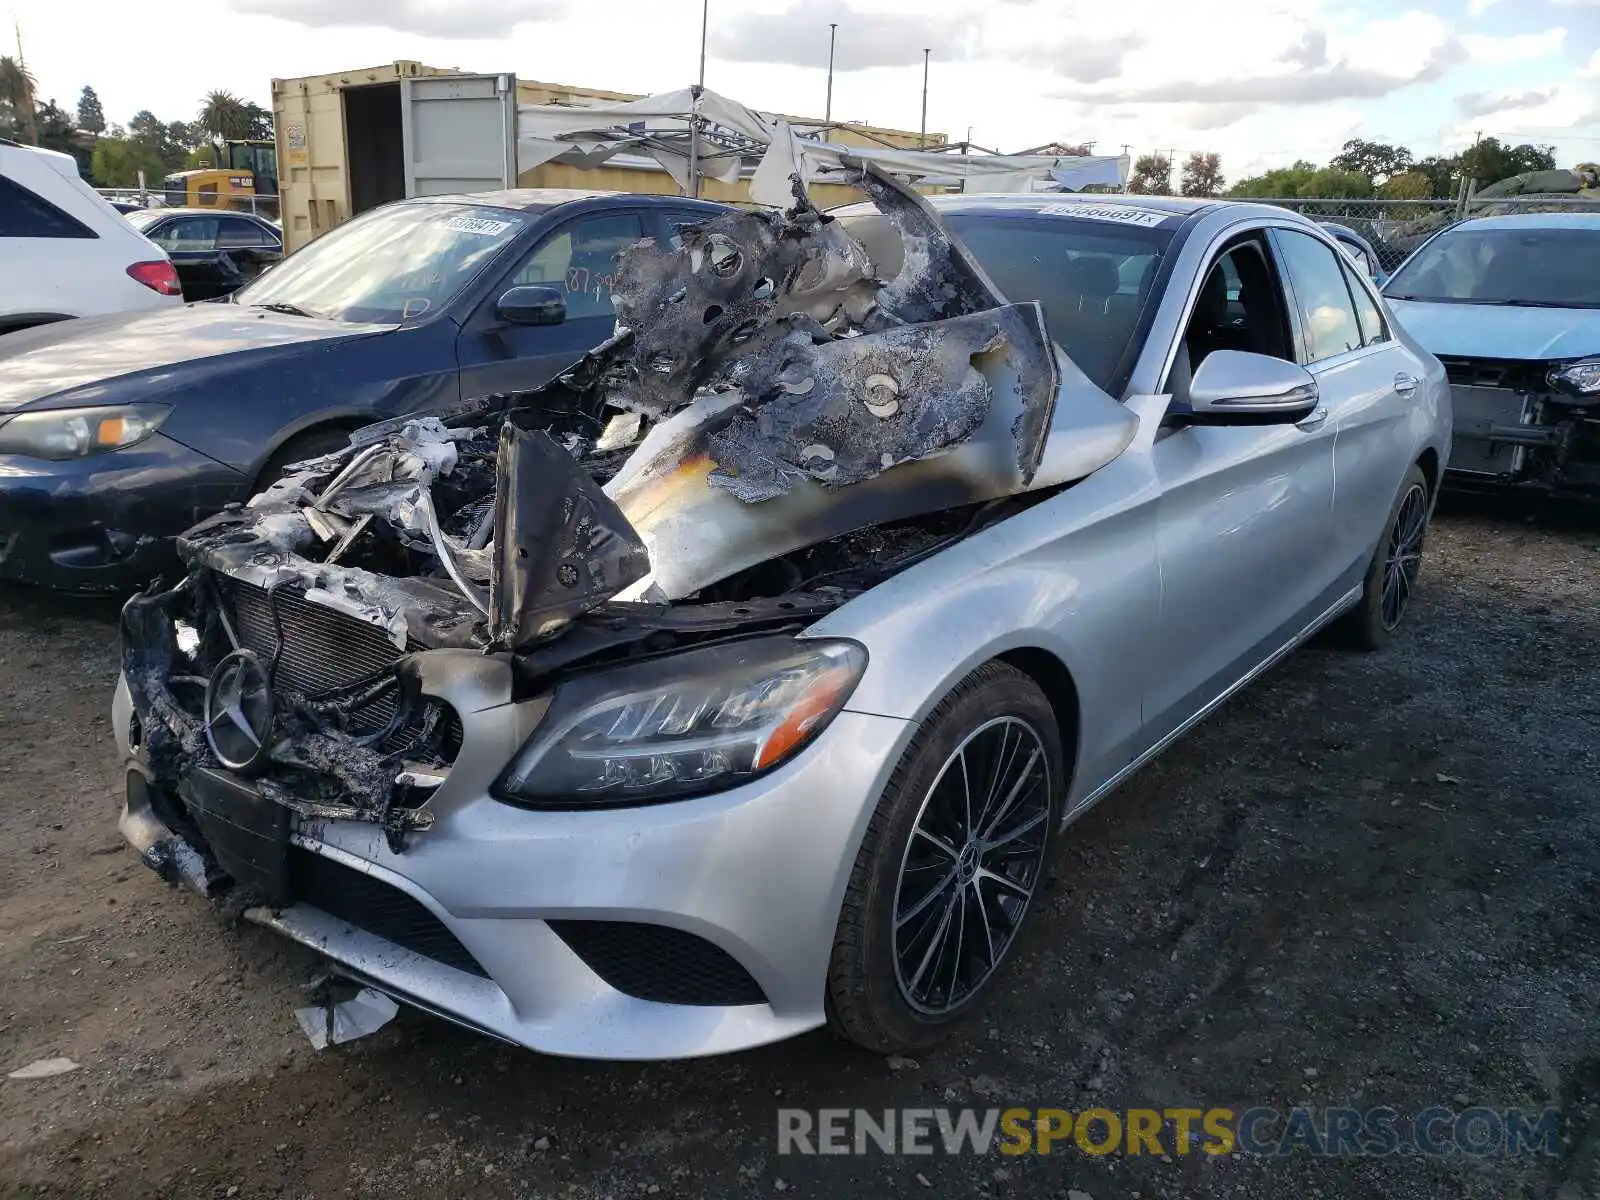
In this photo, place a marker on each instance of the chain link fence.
(1397, 227)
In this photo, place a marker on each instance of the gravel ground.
(1370, 880)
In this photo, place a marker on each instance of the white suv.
(64, 251)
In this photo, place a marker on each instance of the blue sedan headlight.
(65, 433)
(1580, 378)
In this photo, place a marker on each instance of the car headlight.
(1582, 378)
(685, 724)
(65, 433)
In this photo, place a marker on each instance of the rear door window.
(579, 260)
(236, 233)
(187, 234)
(25, 214)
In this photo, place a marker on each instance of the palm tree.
(225, 117)
(16, 89)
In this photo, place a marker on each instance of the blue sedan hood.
(150, 352)
(1500, 330)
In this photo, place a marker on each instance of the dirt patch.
(1370, 880)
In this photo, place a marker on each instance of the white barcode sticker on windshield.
(477, 225)
(1118, 214)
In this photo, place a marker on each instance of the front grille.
(378, 908)
(1497, 373)
(323, 649)
(657, 962)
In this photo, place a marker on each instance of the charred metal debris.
(760, 367)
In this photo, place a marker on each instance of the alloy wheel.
(1404, 555)
(971, 864)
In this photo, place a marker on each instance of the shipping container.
(353, 140)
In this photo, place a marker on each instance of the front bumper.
(757, 872)
(104, 524)
(1512, 432)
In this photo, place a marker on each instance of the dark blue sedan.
(118, 432)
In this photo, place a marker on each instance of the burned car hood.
(1501, 330)
(698, 533)
(764, 392)
(78, 361)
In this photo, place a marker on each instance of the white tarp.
(733, 138)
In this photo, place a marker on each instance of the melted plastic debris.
(334, 1022)
(562, 547)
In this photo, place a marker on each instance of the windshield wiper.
(1547, 303)
(293, 310)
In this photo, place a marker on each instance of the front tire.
(314, 443)
(951, 860)
(1392, 577)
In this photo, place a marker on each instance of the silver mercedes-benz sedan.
(744, 679)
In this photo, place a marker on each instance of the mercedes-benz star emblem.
(238, 712)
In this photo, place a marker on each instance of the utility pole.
(28, 122)
(705, 20)
(694, 115)
(827, 112)
(922, 139)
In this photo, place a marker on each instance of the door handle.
(1314, 420)
(1405, 384)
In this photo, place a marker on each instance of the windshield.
(1553, 268)
(143, 218)
(394, 264)
(1090, 277)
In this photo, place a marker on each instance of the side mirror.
(531, 306)
(1234, 387)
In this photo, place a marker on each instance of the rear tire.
(937, 897)
(314, 443)
(1392, 577)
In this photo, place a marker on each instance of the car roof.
(1541, 220)
(195, 211)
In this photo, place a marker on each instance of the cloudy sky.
(1262, 82)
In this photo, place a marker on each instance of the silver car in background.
(818, 784)
(1511, 305)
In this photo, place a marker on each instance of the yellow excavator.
(247, 182)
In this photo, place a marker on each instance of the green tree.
(160, 138)
(1279, 183)
(91, 117)
(1202, 175)
(54, 127)
(1408, 185)
(1378, 161)
(186, 136)
(1443, 175)
(1491, 160)
(1337, 184)
(117, 162)
(1152, 175)
(17, 95)
(260, 123)
(1306, 181)
(225, 117)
